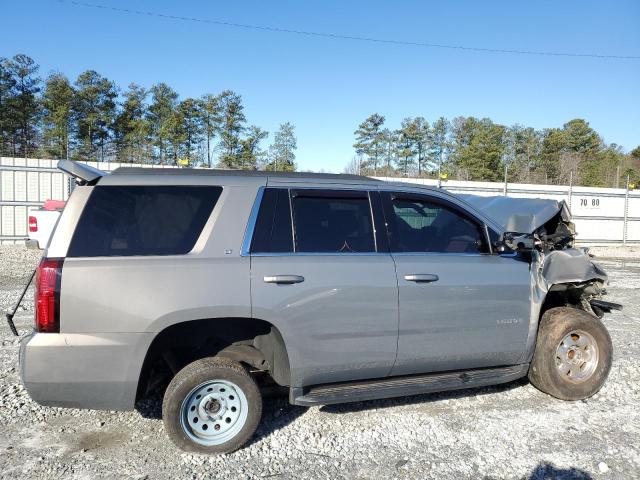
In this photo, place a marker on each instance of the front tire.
(211, 406)
(573, 354)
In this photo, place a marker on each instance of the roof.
(241, 173)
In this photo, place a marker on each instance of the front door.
(324, 284)
(460, 306)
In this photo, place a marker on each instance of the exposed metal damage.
(562, 274)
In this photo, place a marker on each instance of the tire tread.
(192, 375)
(554, 325)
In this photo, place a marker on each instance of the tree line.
(93, 119)
(469, 148)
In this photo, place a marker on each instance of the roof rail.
(244, 173)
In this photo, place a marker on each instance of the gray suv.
(210, 286)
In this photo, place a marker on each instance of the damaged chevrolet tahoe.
(210, 286)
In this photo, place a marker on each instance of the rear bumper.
(98, 371)
(32, 244)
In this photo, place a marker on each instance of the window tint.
(272, 231)
(423, 226)
(494, 238)
(142, 220)
(331, 222)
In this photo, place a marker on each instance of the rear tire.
(211, 406)
(573, 354)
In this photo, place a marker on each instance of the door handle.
(421, 277)
(284, 279)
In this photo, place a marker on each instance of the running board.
(405, 385)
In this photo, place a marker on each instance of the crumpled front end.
(561, 278)
(571, 277)
(568, 275)
(542, 229)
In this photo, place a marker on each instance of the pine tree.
(282, 150)
(6, 125)
(176, 136)
(94, 112)
(439, 145)
(523, 146)
(390, 149)
(251, 155)
(210, 117)
(231, 128)
(192, 129)
(131, 126)
(23, 107)
(479, 149)
(567, 151)
(370, 142)
(419, 131)
(580, 137)
(160, 116)
(406, 136)
(631, 168)
(600, 169)
(57, 103)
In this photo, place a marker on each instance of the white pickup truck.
(42, 222)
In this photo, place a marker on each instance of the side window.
(142, 220)
(494, 238)
(423, 225)
(332, 221)
(272, 232)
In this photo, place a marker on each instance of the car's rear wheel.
(212, 405)
(573, 354)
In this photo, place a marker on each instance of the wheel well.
(572, 294)
(254, 342)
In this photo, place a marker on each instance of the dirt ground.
(511, 431)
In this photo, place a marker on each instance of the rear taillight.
(33, 224)
(47, 295)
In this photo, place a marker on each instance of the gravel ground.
(512, 431)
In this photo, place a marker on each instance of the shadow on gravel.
(277, 413)
(423, 398)
(150, 407)
(547, 471)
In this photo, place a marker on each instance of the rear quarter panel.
(146, 294)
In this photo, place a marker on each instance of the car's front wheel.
(573, 354)
(212, 405)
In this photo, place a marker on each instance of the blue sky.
(327, 86)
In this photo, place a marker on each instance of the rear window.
(142, 220)
(333, 222)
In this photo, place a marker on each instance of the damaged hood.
(522, 215)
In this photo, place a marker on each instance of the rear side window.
(142, 220)
(332, 222)
(272, 233)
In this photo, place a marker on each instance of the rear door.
(322, 275)
(460, 306)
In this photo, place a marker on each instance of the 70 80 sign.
(594, 203)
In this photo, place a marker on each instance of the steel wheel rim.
(577, 356)
(214, 412)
